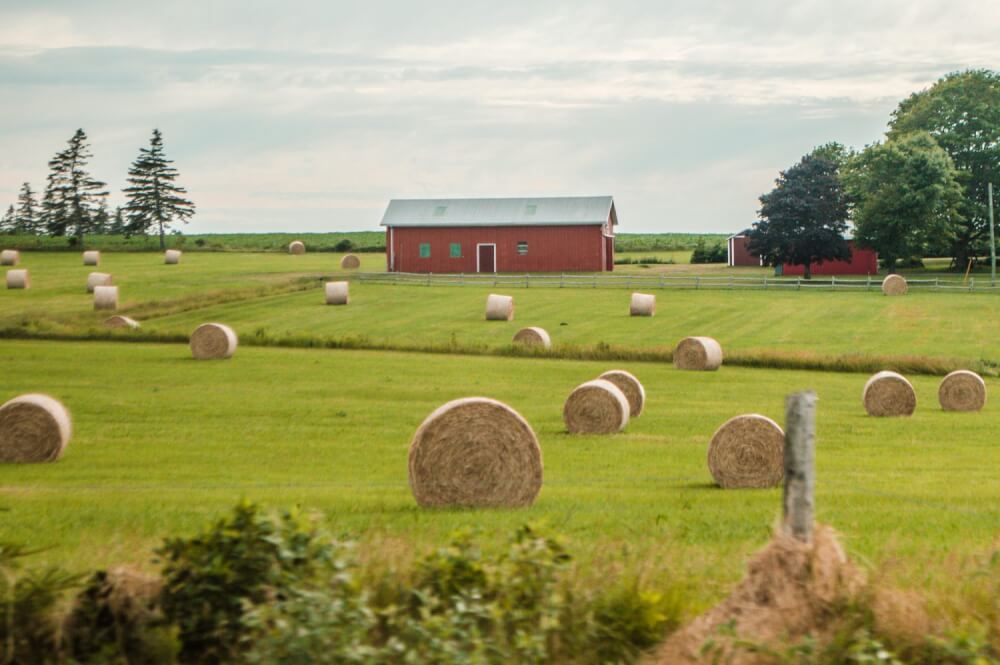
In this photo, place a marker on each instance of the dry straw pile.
(499, 308)
(211, 341)
(894, 285)
(630, 387)
(10, 257)
(643, 304)
(889, 394)
(91, 258)
(596, 407)
(18, 279)
(533, 337)
(96, 279)
(747, 451)
(350, 262)
(476, 453)
(962, 390)
(698, 353)
(105, 297)
(33, 428)
(337, 293)
(119, 321)
(296, 247)
(172, 257)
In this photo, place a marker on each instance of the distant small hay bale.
(630, 387)
(18, 279)
(105, 297)
(350, 262)
(596, 407)
(889, 394)
(748, 451)
(533, 336)
(119, 321)
(91, 258)
(211, 341)
(33, 428)
(698, 353)
(296, 247)
(499, 308)
(962, 390)
(172, 257)
(10, 257)
(894, 285)
(96, 279)
(643, 304)
(337, 293)
(475, 453)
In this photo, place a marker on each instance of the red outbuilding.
(863, 261)
(739, 250)
(550, 234)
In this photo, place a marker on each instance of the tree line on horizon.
(74, 203)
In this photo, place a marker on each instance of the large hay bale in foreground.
(91, 258)
(747, 452)
(499, 308)
(119, 321)
(889, 394)
(337, 293)
(962, 390)
(698, 353)
(211, 341)
(10, 257)
(18, 279)
(894, 285)
(533, 336)
(350, 262)
(172, 257)
(477, 453)
(33, 428)
(296, 247)
(596, 407)
(630, 387)
(642, 304)
(105, 297)
(96, 279)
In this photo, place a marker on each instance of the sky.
(310, 116)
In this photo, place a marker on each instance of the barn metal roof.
(540, 211)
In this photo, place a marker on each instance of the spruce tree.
(8, 223)
(154, 201)
(27, 211)
(118, 223)
(72, 195)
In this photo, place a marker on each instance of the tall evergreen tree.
(8, 222)
(72, 195)
(102, 220)
(154, 201)
(117, 223)
(27, 211)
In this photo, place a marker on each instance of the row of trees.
(74, 203)
(923, 191)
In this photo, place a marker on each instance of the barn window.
(456, 250)
(530, 209)
(522, 247)
(439, 211)
(425, 250)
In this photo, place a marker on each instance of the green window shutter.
(456, 250)
(425, 250)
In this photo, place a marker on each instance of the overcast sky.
(309, 116)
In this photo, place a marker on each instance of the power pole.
(993, 245)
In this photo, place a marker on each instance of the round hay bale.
(533, 336)
(106, 297)
(296, 247)
(499, 308)
(212, 341)
(350, 262)
(889, 394)
(337, 293)
(10, 257)
(475, 453)
(33, 428)
(596, 407)
(172, 257)
(96, 279)
(894, 285)
(643, 304)
(119, 321)
(18, 279)
(698, 353)
(962, 390)
(747, 451)
(630, 387)
(91, 258)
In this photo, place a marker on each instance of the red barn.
(739, 250)
(863, 262)
(552, 234)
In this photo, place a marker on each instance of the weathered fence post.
(765, 282)
(800, 465)
(697, 281)
(527, 280)
(429, 279)
(868, 284)
(562, 276)
(972, 284)
(661, 280)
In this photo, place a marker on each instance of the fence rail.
(694, 282)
